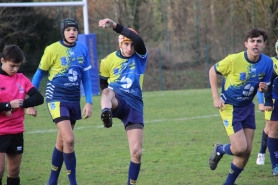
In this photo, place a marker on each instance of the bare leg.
(14, 162)
(108, 99)
(135, 140)
(2, 164)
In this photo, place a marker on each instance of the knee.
(13, 172)
(59, 145)
(136, 154)
(69, 142)
(105, 91)
(273, 131)
(242, 150)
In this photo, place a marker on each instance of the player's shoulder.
(237, 55)
(267, 61)
(53, 46)
(234, 57)
(265, 57)
(111, 56)
(81, 45)
(21, 76)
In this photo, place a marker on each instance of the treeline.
(179, 34)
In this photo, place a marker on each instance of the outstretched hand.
(107, 23)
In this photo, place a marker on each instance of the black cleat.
(215, 157)
(106, 117)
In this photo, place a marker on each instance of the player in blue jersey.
(244, 73)
(271, 116)
(67, 64)
(121, 79)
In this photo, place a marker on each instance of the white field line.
(146, 122)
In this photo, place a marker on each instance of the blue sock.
(70, 162)
(225, 149)
(273, 150)
(105, 109)
(133, 173)
(57, 162)
(233, 174)
(263, 142)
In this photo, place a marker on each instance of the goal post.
(42, 4)
(88, 39)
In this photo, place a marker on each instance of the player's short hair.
(13, 53)
(68, 22)
(256, 32)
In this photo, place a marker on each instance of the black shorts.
(11, 144)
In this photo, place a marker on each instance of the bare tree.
(15, 26)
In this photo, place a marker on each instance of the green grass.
(180, 129)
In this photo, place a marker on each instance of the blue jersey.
(125, 76)
(242, 77)
(66, 66)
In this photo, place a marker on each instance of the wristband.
(8, 106)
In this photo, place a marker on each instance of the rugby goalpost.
(41, 4)
(88, 39)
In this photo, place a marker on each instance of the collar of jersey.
(61, 42)
(119, 54)
(3, 72)
(245, 56)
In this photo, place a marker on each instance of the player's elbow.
(103, 84)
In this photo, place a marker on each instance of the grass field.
(180, 129)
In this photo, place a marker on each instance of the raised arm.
(138, 41)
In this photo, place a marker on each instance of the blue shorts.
(127, 114)
(272, 115)
(61, 111)
(237, 118)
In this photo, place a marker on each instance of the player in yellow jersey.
(121, 78)
(244, 73)
(67, 63)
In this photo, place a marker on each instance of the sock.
(0, 181)
(13, 181)
(70, 162)
(133, 173)
(105, 109)
(233, 174)
(273, 150)
(263, 142)
(57, 162)
(225, 149)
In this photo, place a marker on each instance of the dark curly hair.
(255, 32)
